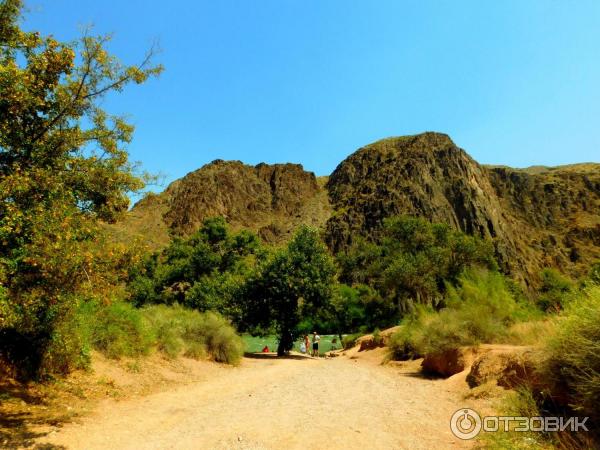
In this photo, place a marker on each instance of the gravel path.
(274, 403)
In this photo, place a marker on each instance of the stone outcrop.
(540, 217)
(272, 200)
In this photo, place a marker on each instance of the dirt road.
(270, 403)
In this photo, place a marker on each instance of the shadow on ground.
(21, 410)
(274, 356)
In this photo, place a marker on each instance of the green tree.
(410, 260)
(295, 281)
(204, 271)
(347, 309)
(63, 168)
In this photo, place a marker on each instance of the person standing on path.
(315, 344)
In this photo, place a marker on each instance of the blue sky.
(512, 82)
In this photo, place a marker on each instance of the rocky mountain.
(542, 217)
(537, 217)
(272, 200)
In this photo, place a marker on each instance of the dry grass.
(530, 333)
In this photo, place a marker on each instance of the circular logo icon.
(465, 423)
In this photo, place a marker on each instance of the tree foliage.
(63, 167)
(204, 271)
(295, 281)
(411, 260)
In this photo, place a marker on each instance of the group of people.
(305, 346)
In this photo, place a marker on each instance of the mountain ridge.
(537, 217)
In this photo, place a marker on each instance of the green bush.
(222, 342)
(572, 362)
(594, 274)
(178, 330)
(69, 345)
(520, 403)
(532, 332)
(406, 342)
(195, 350)
(118, 329)
(121, 330)
(480, 310)
(349, 340)
(554, 291)
(525, 402)
(377, 337)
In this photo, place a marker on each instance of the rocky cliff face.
(554, 215)
(550, 217)
(537, 217)
(272, 200)
(424, 175)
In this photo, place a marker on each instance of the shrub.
(180, 330)
(572, 362)
(554, 291)
(349, 340)
(69, 345)
(479, 310)
(594, 274)
(532, 332)
(377, 338)
(121, 330)
(403, 343)
(222, 342)
(523, 402)
(195, 350)
(118, 329)
(519, 403)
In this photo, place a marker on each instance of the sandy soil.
(271, 403)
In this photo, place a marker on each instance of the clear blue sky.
(512, 82)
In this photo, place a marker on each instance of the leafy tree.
(361, 263)
(357, 308)
(411, 260)
(295, 281)
(63, 167)
(347, 309)
(204, 271)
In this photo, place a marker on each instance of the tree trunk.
(280, 349)
(286, 342)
